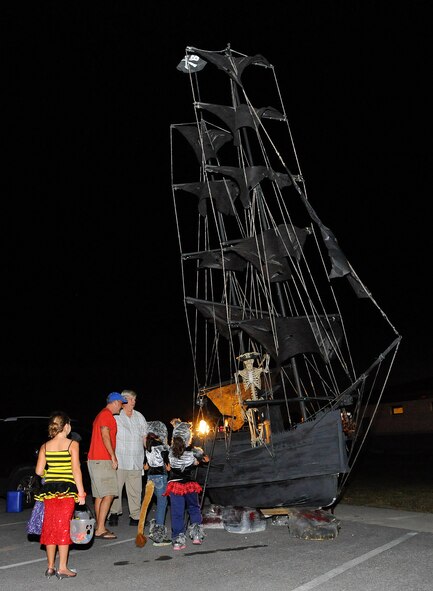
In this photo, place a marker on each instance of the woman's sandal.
(50, 572)
(106, 535)
(61, 576)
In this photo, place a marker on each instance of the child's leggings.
(178, 503)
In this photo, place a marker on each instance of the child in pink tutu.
(182, 486)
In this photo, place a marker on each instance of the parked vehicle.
(22, 436)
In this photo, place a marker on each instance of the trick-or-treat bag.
(34, 524)
(82, 526)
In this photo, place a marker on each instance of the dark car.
(20, 439)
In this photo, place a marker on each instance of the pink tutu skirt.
(181, 488)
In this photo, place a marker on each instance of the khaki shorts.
(103, 478)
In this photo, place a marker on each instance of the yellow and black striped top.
(59, 480)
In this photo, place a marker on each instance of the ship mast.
(264, 224)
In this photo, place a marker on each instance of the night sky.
(91, 293)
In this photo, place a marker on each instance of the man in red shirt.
(102, 462)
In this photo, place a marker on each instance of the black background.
(91, 293)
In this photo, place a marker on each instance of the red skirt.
(181, 488)
(57, 521)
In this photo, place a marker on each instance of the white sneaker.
(165, 543)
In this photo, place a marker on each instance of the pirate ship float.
(275, 312)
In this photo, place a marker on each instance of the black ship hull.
(300, 469)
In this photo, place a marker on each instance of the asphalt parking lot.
(375, 550)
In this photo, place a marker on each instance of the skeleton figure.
(252, 379)
(251, 375)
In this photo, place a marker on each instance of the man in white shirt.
(130, 442)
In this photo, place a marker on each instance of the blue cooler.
(14, 501)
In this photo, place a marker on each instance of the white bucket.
(82, 530)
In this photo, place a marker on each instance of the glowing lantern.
(203, 428)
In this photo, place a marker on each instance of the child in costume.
(182, 487)
(59, 464)
(156, 466)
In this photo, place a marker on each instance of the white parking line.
(347, 565)
(22, 563)
(113, 543)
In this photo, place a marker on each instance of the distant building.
(403, 422)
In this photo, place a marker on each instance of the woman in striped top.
(59, 464)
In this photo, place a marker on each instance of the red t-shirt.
(97, 450)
